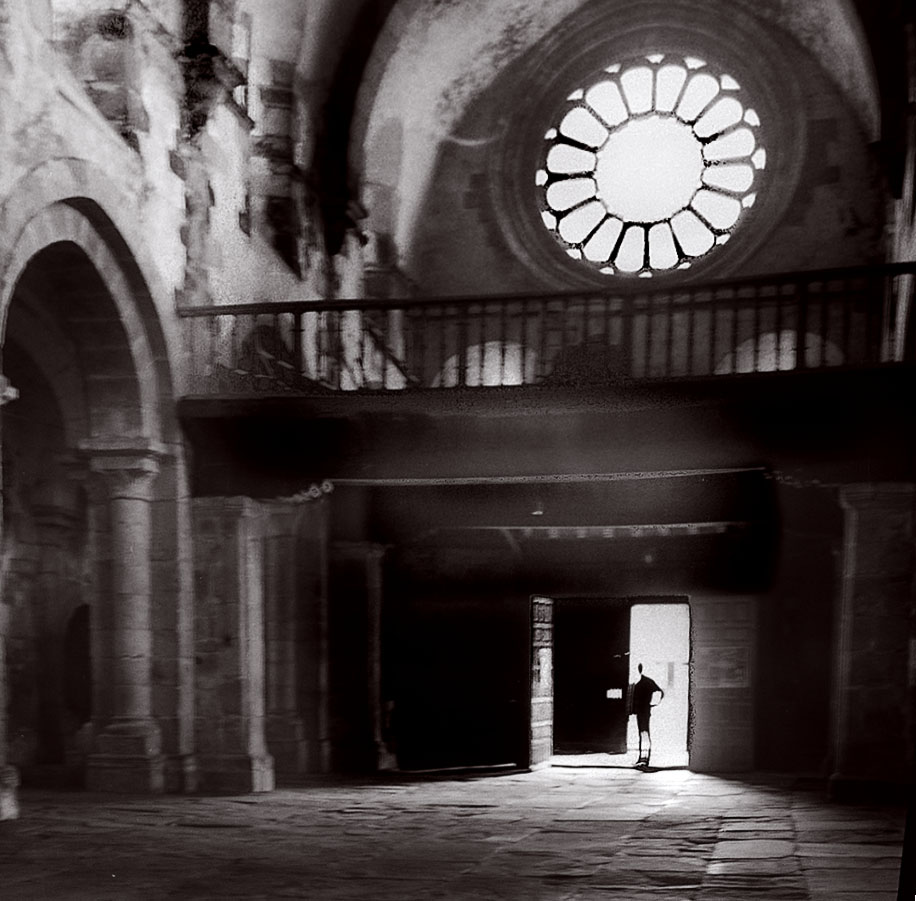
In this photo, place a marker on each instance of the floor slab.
(557, 834)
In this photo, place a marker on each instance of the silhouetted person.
(643, 692)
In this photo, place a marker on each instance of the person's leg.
(643, 727)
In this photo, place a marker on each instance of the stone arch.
(82, 300)
(70, 201)
(60, 251)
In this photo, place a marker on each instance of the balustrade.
(844, 318)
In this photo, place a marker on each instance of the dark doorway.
(457, 666)
(591, 670)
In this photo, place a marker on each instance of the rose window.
(651, 166)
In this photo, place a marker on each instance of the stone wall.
(261, 634)
(229, 646)
(874, 670)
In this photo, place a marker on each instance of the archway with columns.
(96, 516)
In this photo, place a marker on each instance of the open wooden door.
(591, 666)
(540, 734)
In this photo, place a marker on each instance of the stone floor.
(571, 833)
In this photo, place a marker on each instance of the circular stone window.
(651, 166)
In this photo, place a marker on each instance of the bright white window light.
(651, 165)
(649, 169)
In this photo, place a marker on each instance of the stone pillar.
(356, 648)
(127, 750)
(9, 778)
(873, 624)
(230, 679)
(384, 759)
(315, 657)
(286, 734)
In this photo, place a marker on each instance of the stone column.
(356, 645)
(230, 652)
(286, 734)
(315, 688)
(873, 623)
(9, 778)
(384, 759)
(127, 750)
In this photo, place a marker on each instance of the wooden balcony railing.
(811, 320)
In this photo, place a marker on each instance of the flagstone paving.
(552, 835)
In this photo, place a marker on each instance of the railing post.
(627, 353)
(756, 302)
(888, 313)
(801, 325)
(340, 357)
(650, 318)
(691, 309)
(298, 360)
(423, 318)
(246, 347)
(542, 353)
(846, 349)
(502, 342)
(669, 356)
(736, 317)
(439, 365)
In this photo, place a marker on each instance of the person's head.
(639, 668)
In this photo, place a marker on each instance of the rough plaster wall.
(167, 13)
(833, 218)
(903, 215)
(836, 215)
(241, 269)
(433, 59)
(47, 116)
(248, 269)
(430, 78)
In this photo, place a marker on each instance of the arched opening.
(81, 467)
(67, 353)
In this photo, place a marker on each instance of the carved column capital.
(7, 391)
(128, 468)
(878, 496)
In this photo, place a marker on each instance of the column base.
(9, 801)
(287, 743)
(181, 776)
(237, 773)
(386, 760)
(127, 758)
(318, 755)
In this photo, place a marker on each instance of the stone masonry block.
(140, 775)
(9, 802)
